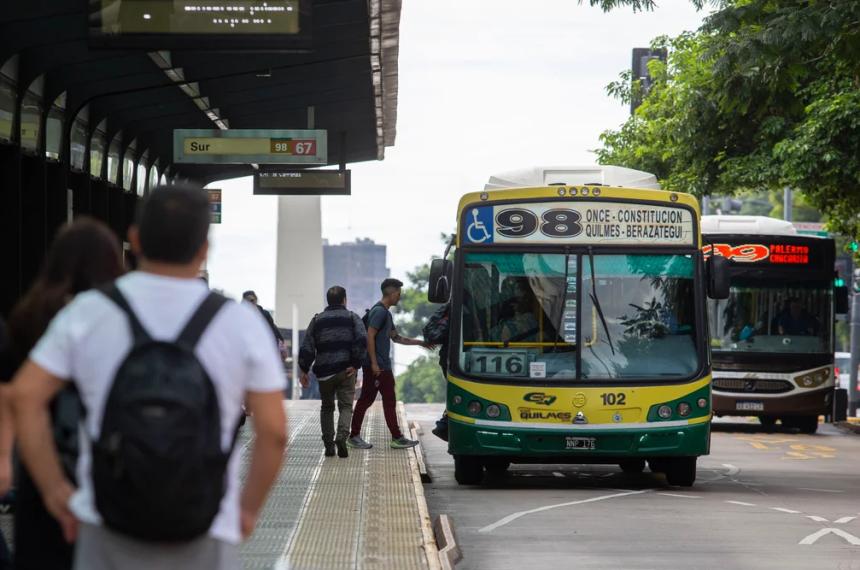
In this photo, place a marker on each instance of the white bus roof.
(747, 225)
(573, 176)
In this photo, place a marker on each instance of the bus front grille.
(752, 386)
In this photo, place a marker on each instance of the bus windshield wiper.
(596, 302)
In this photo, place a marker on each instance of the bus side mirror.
(439, 287)
(840, 300)
(718, 278)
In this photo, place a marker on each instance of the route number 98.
(555, 223)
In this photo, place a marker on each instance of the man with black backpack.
(378, 371)
(162, 366)
(334, 343)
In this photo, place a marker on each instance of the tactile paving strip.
(360, 512)
(280, 517)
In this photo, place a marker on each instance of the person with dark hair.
(158, 330)
(378, 371)
(251, 297)
(85, 254)
(335, 344)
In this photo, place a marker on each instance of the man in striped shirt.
(335, 344)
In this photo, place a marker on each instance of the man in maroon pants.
(378, 374)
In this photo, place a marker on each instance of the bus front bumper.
(524, 444)
(800, 403)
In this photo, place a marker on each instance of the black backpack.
(158, 468)
(366, 318)
(436, 329)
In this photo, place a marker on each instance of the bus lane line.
(819, 490)
(741, 503)
(788, 511)
(680, 496)
(512, 517)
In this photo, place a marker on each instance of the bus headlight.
(702, 403)
(813, 379)
(684, 409)
(664, 411)
(493, 411)
(458, 399)
(474, 407)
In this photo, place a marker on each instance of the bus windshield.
(520, 316)
(791, 318)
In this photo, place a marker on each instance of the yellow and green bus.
(578, 324)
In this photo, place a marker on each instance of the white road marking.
(511, 518)
(817, 519)
(844, 520)
(789, 511)
(680, 496)
(732, 469)
(741, 503)
(819, 490)
(847, 536)
(558, 474)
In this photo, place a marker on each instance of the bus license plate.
(750, 406)
(580, 443)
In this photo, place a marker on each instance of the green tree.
(414, 309)
(422, 382)
(764, 96)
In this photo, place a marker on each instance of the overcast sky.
(485, 86)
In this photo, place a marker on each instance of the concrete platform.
(327, 513)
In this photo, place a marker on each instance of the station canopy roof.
(348, 76)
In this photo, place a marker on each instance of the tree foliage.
(414, 309)
(422, 382)
(765, 95)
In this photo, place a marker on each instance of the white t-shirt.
(89, 339)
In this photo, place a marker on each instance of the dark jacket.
(334, 340)
(271, 322)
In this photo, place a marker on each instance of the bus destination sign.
(774, 253)
(246, 146)
(592, 222)
(201, 24)
(284, 182)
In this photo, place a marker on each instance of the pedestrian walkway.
(364, 512)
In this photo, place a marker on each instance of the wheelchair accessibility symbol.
(477, 231)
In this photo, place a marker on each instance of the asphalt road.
(761, 500)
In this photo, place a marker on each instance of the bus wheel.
(767, 422)
(468, 470)
(681, 471)
(632, 465)
(496, 467)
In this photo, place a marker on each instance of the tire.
(468, 470)
(633, 465)
(497, 467)
(681, 471)
(767, 422)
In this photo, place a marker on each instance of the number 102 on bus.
(294, 147)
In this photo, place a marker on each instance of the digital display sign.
(250, 146)
(799, 254)
(282, 182)
(281, 25)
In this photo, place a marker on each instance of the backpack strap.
(190, 335)
(138, 333)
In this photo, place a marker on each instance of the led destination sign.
(302, 182)
(783, 253)
(201, 24)
(579, 222)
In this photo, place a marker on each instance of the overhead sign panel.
(281, 25)
(592, 222)
(283, 182)
(247, 146)
(214, 205)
